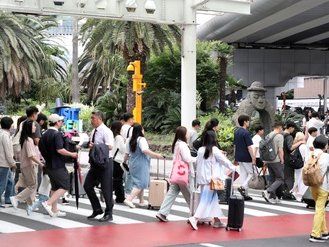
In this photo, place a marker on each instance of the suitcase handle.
(164, 168)
(232, 188)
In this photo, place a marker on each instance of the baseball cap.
(54, 118)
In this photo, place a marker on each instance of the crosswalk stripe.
(210, 245)
(7, 227)
(85, 212)
(278, 208)
(139, 211)
(59, 222)
(252, 212)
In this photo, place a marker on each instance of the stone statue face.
(257, 99)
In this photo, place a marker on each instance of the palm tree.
(131, 40)
(25, 52)
(224, 54)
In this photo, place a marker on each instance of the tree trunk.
(75, 78)
(222, 82)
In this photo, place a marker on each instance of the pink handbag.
(179, 173)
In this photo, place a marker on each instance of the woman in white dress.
(211, 163)
(299, 187)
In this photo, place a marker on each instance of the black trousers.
(118, 182)
(102, 176)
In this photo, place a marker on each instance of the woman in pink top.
(29, 162)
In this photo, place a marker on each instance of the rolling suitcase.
(158, 189)
(224, 195)
(235, 211)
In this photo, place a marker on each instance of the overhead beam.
(296, 29)
(167, 11)
(232, 6)
(314, 39)
(275, 18)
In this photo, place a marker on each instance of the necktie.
(94, 135)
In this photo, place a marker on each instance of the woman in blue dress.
(139, 164)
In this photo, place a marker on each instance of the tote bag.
(179, 173)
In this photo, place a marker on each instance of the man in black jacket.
(100, 174)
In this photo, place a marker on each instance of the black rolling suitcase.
(235, 211)
(224, 195)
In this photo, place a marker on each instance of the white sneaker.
(192, 221)
(48, 208)
(129, 203)
(14, 201)
(272, 201)
(266, 195)
(60, 214)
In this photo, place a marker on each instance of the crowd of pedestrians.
(120, 164)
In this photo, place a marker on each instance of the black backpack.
(266, 149)
(295, 159)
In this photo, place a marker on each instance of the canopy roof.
(273, 23)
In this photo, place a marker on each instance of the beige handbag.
(216, 183)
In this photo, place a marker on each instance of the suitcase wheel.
(227, 228)
(239, 229)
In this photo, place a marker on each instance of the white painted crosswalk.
(16, 220)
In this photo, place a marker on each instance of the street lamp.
(134, 68)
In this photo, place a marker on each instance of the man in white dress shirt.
(100, 135)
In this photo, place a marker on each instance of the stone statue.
(256, 107)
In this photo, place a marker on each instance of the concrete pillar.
(188, 80)
(325, 95)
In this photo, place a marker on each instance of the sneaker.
(272, 201)
(161, 217)
(48, 208)
(325, 236)
(28, 210)
(266, 195)
(247, 198)
(192, 221)
(142, 205)
(129, 203)
(65, 202)
(218, 224)
(242, 191)
(59, 214)
(14, 201)
(316, 240)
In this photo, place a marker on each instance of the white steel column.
(325, 95)
(188, 80)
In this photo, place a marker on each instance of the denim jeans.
(6, 184)
(37, 203)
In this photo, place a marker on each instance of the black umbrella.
(77, 180)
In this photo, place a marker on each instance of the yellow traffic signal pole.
(138, 86)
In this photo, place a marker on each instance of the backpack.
(266, 149)
(311, 173)
(197, 144)
(295, 159)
